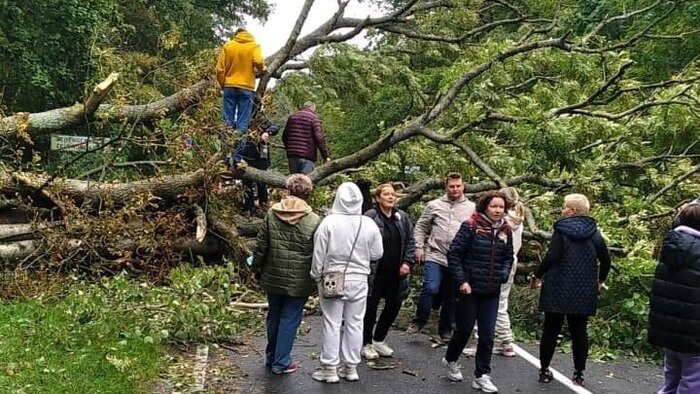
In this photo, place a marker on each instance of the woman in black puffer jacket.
(389, 278)
(674, 312)
(480, 258)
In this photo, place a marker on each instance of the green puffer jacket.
(284, 249)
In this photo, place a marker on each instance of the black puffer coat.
(481, 255)
(408, 245)
(674, 312)
(570, 268)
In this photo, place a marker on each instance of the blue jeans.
(237, 106)
(470, 309)
(298, 165)
(436, 277)
(283, 318)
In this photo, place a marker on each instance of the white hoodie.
(335, 235)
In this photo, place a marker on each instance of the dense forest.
(597, 97)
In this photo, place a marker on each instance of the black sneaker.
(578, 378)
(546, 376)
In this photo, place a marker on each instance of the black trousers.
(578, 331)
(387, 288)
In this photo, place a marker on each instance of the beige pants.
(350, 308)
(503, 331)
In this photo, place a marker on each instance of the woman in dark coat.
(572, 281)
(480, 258)
(390, 275)
(674, 312)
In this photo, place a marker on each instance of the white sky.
(275, 32)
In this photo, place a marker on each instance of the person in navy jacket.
(572, 280)
(480, 258)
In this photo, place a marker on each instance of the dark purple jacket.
(303, 134)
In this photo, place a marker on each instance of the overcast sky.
(275, 32)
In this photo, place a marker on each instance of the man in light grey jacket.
(433, 233)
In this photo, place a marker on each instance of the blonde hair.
(578, 202)
(517, 207)
(378, 190)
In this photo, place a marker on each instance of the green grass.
(50, 348)
(114, 335)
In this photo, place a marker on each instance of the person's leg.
(292, 311)
(487, 311)
(249, 196)
(465, 314)
(274, 312)
(503, 331)
(332, 310)
(548, 342)
(447, 311)
(229, 107)
(578, 329)
(244, 104)
(244, 107)
(392, 306)
(307, 166)
(371, 313)
(673, 366)
(690, 374)
(354, 313)
(432, 276)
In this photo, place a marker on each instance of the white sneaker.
(484, 384)
(453, 372)
(469, 350)
(349, 373)
(326, 374)
(369, 353)
(383, 349)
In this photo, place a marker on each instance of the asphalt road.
(416, 368)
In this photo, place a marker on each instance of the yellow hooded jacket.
(239, 61)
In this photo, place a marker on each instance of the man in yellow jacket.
(239, 62)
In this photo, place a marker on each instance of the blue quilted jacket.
(481, 255)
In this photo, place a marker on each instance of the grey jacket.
(438, 225)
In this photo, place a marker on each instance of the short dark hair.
(690, 216)
(453, 176)
(486, 198)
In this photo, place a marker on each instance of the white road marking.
(557, 375)
(200, 368)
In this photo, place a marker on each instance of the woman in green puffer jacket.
(282, 257)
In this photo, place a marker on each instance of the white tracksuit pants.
(350, 308)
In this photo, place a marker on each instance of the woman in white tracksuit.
(333, 249)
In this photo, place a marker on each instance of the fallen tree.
(180, 214)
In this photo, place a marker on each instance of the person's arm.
(221, 69)
(556, 248)
(603, 256)
(458, 251)
(422, 230)
(376, 247)
(285, 132)
(409, 254)
(320, 138)
(262, 244)
(258, 61)
(320, 250)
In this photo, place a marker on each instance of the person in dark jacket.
(389, 278)
(480, 258)
(572, 281)
(674, 304)
(282, 257)
(302, 136)
(256, 152)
